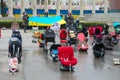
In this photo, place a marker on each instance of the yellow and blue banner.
(45, 21)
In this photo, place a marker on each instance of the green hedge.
(91, 24)
(7, 24)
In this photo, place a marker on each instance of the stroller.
(82, 42)
(49, 36)
(36, 34)
(15, 53)
(63, 36)
(98, 46)
(15, 42)
(117, 27)
(109, 45)
(66, 58)
(72, 36)
(105, 29)
(114, 38)
(54, 51)
(92, 30)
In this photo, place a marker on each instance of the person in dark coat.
(25, 21)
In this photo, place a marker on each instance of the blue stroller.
(54, 51)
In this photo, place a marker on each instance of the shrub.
(7, 24)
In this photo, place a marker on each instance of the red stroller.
(82, 42)
(66, 57)
(63, 36)
(91, 31)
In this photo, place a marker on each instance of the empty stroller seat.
(66, 57)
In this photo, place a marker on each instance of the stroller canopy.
(115, 24)
(63, 34)
(49, 33)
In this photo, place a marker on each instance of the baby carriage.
(97, 34)
(66, 58)
(92, 30)
(71, 36)
(114, 38)
(117, 27)
(54, 51)
(15, 54)
(99, 48)
(36, 34)
(82, 42)
(15, 45)
(109, 45)
(63, 36)
(49, 36)
(105, 29)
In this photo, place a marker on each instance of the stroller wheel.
(32, 41)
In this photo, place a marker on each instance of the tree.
(2, 5)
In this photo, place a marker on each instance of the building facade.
(57, 5)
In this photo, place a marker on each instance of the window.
(66, 3)
(42, 2)
(53, 3)
(38, 2)
(29, 3)
(48, 2)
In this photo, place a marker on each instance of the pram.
(49, 36)
(109, 45)
(15, 54)
(63, 36)
(82, 42)
(72, 36)
(54, 51)
(114, 38)
(15, 46)
(99, 48)
(66, 58)
(36, 34)
(117, 27)
(92, 30)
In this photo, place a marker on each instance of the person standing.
(25, 21)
